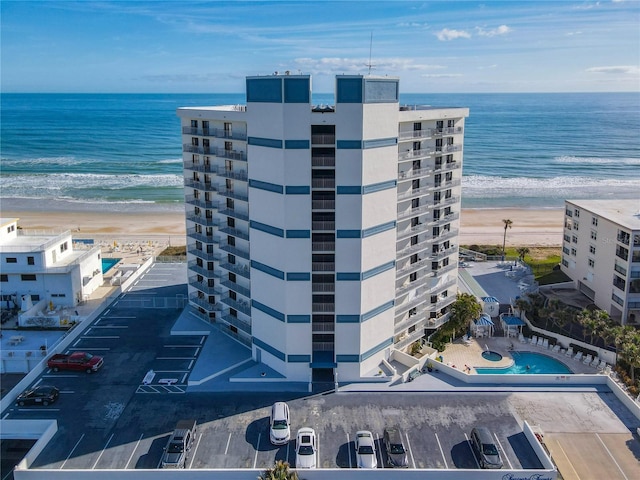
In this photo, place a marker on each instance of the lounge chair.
(540, 341)
(556, 348)
(588, 359)
(534, 340)
(545, 343)
(595, 362)
(603, 365)
(578, 356)
(569, 352)
(521, 339)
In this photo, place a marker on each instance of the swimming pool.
(108, 263)
(529, 363)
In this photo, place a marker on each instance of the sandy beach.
(478, 226)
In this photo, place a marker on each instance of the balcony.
(410, 321)
(323, 266)
(444, 219)
(323, 226)
(408, 339)
(323, 139)
(193, 233)
(408, 232)
(198, 202)
(235, 232)
(442, 270)
(206, 186)
(416, 247)
(203, 286)
(239, 305)
(448, 166)
(207, 256)
(414, 135)
(323, 246)
(236, 322)
(414, 173)
(414, 211)
(441, 303)
(204, 303)
(448, 148)
(323, 160)
(323, 287)
(442, 287)
(242, 270)
(406, 306)
(446, 201)
(407, 287)
(236, 288)
(416, 192)
(235, 250)
(195, 268)
(416, 154)
(317, 327)
(323, 307)
(413, 267)
(323, 183)
(235, 175)
(323, 204)
(233, 194)
(438, 132)
(214, 132)
(444, 252)
(201, 220)
(230, 212)
(447, 184)
(439, 320)
(188, 148)
(200, 167)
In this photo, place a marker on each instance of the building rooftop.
(625, 213)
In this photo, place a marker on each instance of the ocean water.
(123, 151)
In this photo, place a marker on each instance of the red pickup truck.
(76, 361)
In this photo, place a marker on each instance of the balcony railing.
(414, 173)
(323, 287)
(236, 175)
(414, 134)
(447, 201)
(414, 211)
(407, 287)
(323, 204)
(194, 267)
(235, 250)
(447, 184)
(235, 232)
(236, 322)
(413, 267)
(417, 247)
(323, 225)
(196, 235)
(203, 286)
(323, 161)
(206, 186)
(229, 212)
(444, 167)
(448, 148)
(323, 139)
(442, 270)
(446, 234)
(407, 340)
(199, 202)
(444, 219)
(323, 183)
(200, 167)
(415, 193)
(446, 131)
(214, 132)
(208, 256)
(407, 232)
(410, 321)
(416, 154)
(323, 307)
(437, 321)
(204, 303)
(444, 252)
(202, 220)
(236, 288)
(240, 305)
(442, 287)
(233, 194)
(242, 270)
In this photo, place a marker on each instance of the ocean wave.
(62, 181)
(172, 160)
(63, 161)
(596, 160)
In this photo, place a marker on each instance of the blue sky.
(439, 47)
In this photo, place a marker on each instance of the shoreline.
(480, 226)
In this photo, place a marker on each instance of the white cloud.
(501, 30)
(571, 34)
(488, 66)
(446, 34)
(441, 75)
(615, 70)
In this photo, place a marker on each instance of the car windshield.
(88, 356)
(397, 449)
(175, 447)
(489, 449)
(365, 450)
(305, 450)
(279, 424)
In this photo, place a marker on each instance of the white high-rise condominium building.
(323, 237)
(601, 254)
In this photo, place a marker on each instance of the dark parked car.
(40, 395)
(485, 448)
(393, 444)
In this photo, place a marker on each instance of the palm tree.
(280, 471)
(464, 310)
(522, 252)
(507, 224)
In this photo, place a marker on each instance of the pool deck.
(462, 354)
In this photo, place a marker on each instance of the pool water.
(491, 356)
(529, 363)
(108, 263)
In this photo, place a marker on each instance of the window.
(12, 260)
(31, 261)
(232, 277)
(594, 235)
(592, 249)
(575, 225)
(4, 277)
(63, 247)
(231, 241)
(417, 126)
(194, 123)
(574, 239)
(574, 252)
(58, 295)
(568, 213)
(576, 212)
(594, 221)
(451, 123)
(231, 222)
(230, 203)
(231, 259)
(592, 263)
(233, 295)
(28, 277)
(413, 277)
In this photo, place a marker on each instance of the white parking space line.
(71, 452)
(101, 337)
(317, 451)
(190, 364)
(8, 474)
(446, 465)
(92, 348)
(38, 382)
(181, 346)
(184, 378)
(38, 410)
(202, 340)
(77, 342)
(193, 455)
(473, 452)
(171, 371)
(413, 460)
(174, 358)
(504, 454)
(567, 459)
(197, 351)
(102, 451)
(110, 326)
(349, 449)
(228, 442)
(134, 451)
(612, 457)
(116, 318)
(67, 391)
(87, 331)
(5, 416)
(379, 451)
(60, 376)
(255, 457)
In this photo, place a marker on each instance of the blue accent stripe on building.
(348, 276)
(267, 269)
(269, 187)
(349, 144)
(372, 351)
(379, 269)
(377, 311)
(297, 190)
(380, 142)
(367, 232)
(298, 318)
(376, 187)
(263, 227)
(265, 142)
(348, 358)
(347, 318)
(297, 144)
(268, 310)
(298, 358)
(268, 348)
(298, 277)
(348, 233)
(298, 234)
(348, 190)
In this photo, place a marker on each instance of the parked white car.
(365, 450)
(279, 424)
(306, 449)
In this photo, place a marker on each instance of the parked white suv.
(306, 450)
(279, 424)
(366, 450)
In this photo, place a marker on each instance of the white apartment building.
(37, 267)
(323, 237)
(601, 254)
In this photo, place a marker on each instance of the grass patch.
(174, 251)
(542, 260)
